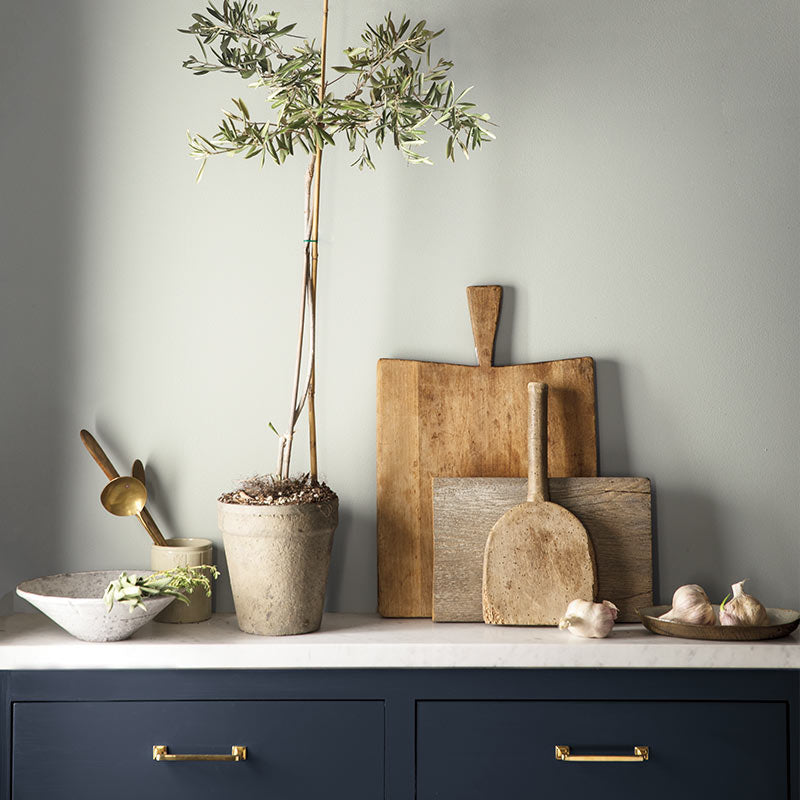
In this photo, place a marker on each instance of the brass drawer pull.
(238, 753)
(640, 753)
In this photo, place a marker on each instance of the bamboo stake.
(312, 415)
(285, 447)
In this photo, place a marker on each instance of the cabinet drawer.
(296, 750)
(473, 750)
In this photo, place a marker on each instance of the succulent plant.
(177, 582)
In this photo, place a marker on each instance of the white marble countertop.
(31, 641)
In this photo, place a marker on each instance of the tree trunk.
(298, 398)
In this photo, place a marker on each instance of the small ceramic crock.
(184, 553)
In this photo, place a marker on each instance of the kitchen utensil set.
(463, 421)
(452, 423)
(123, 496)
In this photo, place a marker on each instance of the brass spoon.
(125, 497)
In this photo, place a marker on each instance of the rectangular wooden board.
(614, 511)
(448, 419)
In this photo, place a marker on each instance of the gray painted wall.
(640, 205)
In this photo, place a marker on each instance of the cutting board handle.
(484, 312)
(538, 488)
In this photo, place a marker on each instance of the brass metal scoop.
(125, 497)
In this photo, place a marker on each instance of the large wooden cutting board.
(615, 512)
(455, 420)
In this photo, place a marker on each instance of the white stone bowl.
(74, 600)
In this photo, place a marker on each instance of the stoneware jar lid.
(188, 545)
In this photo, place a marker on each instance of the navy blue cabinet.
(475, 750)
(400, 734)
(294, 749)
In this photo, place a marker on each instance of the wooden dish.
(782, 623)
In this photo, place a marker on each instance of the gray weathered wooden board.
(614, 511)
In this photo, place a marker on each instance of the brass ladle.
(125, 497)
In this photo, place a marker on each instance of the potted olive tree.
(278, 528)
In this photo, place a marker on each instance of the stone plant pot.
(278, 558)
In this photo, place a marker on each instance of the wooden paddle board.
(457, 420)
(538, 556)
(614, 511)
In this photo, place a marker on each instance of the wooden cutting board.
(614, 511)
(456, 420)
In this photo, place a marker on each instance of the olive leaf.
(393, 91)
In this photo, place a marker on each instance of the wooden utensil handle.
(98, 454)
(152, 529)
(137, 471)
(538, 488)
(484, 312)
(149, 523)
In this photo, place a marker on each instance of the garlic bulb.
(588, 619)
(743, 609)
(690, 603)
